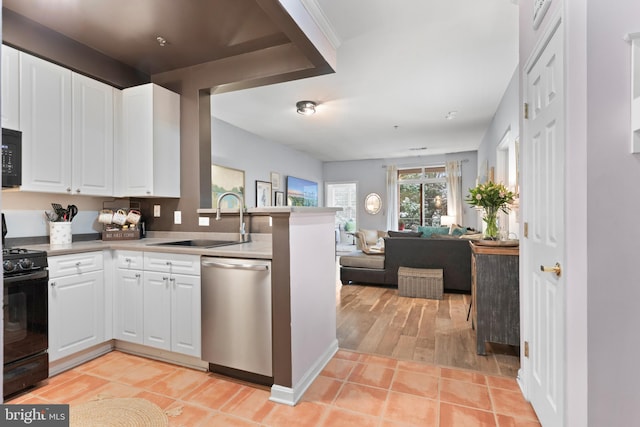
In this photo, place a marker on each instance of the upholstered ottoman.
(420, 283)
(358, 267)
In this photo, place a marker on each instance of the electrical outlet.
(156, 211)
(203, 221)
(177, 217)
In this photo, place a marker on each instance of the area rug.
(125, 412)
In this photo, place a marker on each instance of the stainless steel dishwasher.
(236, 314)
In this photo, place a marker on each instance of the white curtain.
(454, 190)
(392, 197)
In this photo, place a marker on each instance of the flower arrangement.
(492, 198)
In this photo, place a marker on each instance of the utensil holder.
(60, 233)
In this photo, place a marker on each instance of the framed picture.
(225, 179)
(263, 194)
(301, 192)
(279, 196)
(275, 180)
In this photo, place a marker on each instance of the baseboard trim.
(58, 366)
(291, 396)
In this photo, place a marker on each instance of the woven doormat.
(125, 412)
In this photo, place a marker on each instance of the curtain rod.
(413, 165)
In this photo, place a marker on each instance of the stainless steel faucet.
(240, 202)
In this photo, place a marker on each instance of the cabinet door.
(76, 313)
(135, 155)
(10, 88)
(92, 137)
(128, 305)
(185, 314)
(45, 119)
(157, 310)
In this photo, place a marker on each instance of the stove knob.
(8, 266)
(25, 263)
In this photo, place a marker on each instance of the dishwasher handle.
(253, 267)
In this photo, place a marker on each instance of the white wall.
(257, 157)
(371, 176)
(612, 181)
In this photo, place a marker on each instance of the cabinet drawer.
(129, 260)
(172, 263)
(65, 265)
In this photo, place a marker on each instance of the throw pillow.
(428, 231)
(392, 233)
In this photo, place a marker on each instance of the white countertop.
(259, 246)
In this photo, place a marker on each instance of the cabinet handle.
(127, 260)
(165, 278)
(68, 189)
(78, 190)
(53, 284)
(168, 262)
(78, 264)
(137, 275)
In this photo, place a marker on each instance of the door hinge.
(526, 229)
(526, 110)
(526, 349)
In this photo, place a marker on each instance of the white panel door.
(545, 246)
(76, 313)
(45, 119)
(128, 305)
(10, 88)
(185, 314)
(157, 310)
(92, 137)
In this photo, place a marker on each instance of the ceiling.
(401, 66)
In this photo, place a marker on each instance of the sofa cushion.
(362, 260)
(392, 233)
(428, 231)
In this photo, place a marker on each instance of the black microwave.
(11, 158)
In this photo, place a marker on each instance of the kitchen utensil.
(72, 211)
(59, 210)
(120, 217)
(51, 216)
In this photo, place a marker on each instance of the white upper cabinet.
(67, 130)
(45, 121)
(92, 137)
(148, 150)
(10, 108)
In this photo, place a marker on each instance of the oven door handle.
(35, 275)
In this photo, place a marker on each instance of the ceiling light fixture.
(451, 115)
(161, 41)
(306, 107)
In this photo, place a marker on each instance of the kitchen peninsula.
(301, 248)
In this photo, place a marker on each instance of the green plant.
(492, 198)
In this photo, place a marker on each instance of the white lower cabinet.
(76, 303)
(128, 291)
(156, 306)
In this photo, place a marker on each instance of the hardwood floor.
(375, 320)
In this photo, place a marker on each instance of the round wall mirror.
(372, 203)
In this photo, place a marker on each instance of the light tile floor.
(354, 389)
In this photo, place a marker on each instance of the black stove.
(17, 261)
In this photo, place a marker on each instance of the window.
(422, 195)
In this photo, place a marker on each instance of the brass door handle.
(555, 269)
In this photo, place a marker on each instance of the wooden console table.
(495, 295)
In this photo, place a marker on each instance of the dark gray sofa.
(453, 256)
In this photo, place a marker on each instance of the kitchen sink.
(198, 243)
